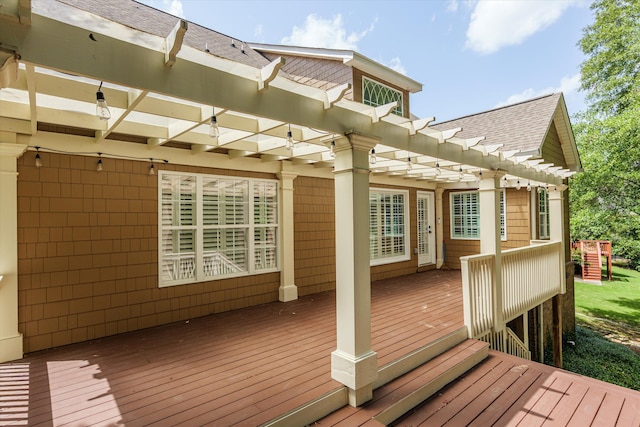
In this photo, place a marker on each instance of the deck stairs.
(591, 261)
(401, 385)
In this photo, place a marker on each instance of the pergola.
(162, 95)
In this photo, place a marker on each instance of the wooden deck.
(244, 367)
(250, 366)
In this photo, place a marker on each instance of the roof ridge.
(537, 98)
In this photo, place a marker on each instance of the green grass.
(596, 357)
(617, 301)
(611, 309)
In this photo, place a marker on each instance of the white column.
(490, 241)
(439, 228)
(353, 363)
(10, 338)
(556, 226)
(288, 290)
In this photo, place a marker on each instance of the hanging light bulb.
(102, 109)
(438, 171)
(529, 186)
(372, 156)
(409, 165)
(99, 168)
(461, 172)
(289, 143)
(152, 170)
(504, 182)
(214, 130)
(332, 149)
(518, 186)
(38, 161)
(479, 176)
(539, 189)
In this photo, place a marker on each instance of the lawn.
(608, 316)
(615, 302)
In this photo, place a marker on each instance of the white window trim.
(503, 208)
(200, 277)
(400, 107)
(406, 256)
(543, 195)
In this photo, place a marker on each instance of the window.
(375, 94)
(465, 215)
(543, 214)
(388, 226)
(213, 227)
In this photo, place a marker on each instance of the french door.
(426, 229)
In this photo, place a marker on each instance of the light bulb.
(99, 168)
(332, 149)
(438, 171)
(38, 161)
(461, 173)
(409, 165)
(504, 182)
(372, 156)
(152, 170)
(479, 177)
(214, 130)
(102, 109)
(518, 186)
(289, 142)
(529, 186)
(539, 189)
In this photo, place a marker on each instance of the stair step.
(395, 398)
(338, 398)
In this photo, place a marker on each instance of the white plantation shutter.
(503, 215)
(543, 214)
(388, 225)
(465, 215)
(213, 227)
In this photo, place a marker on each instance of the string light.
(518, 186)
(461, 172)
(102, 109)
(540, 189)
(151, 168)
(372, 156)
(99, 168)
(479, 177)
(529, 186)
(332, 149)
(289, 142)
(504, 182)
(38, 161)
(214, 130)
(438, 171)
(409, 165)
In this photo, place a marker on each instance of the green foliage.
(605, 198)
(610, 74)
(596, 357)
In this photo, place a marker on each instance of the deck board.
(249, 366)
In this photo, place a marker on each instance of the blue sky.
(470, 55)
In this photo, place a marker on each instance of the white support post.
(10, 338)
(490, 241)
(353, 363)
(288, 290)
(556, 227)
(439, 229)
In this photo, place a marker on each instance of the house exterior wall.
(88, 258)
(551, 149)
(320, 73)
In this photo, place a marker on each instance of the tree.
(605, 198)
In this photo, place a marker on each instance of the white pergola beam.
(31, 85)
(134, 97)
(173, 42)
(417, 125)
(268, 73)
(334, 95)
(376, 113)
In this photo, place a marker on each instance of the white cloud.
(452, 5)
(568, 85)
(326, 33)
(396, 65)
(174, 7)
(495, 24)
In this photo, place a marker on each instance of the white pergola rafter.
(180, 93)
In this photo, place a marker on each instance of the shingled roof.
(153, 21)
(522, 126)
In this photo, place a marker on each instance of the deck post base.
(356, 372)
(288, 293)
(11, 348)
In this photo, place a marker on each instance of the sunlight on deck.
(14, 394)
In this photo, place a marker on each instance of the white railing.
(477, 289)
(529, 276)
(514, 346)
